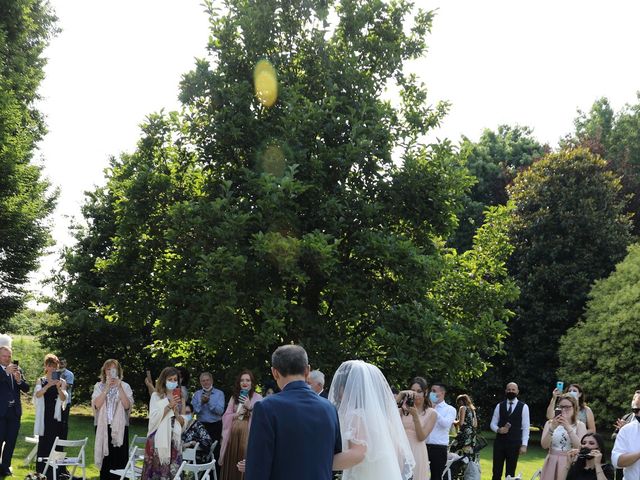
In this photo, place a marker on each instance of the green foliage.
(25, 28)
(28, 322)
(615, 137)
(494, 161)
(28, 351)
(601, 351)
(569, 230)
(234, 227)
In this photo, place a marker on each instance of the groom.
(295, 433)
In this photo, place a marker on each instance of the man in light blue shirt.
(67, 376)
(208, 405)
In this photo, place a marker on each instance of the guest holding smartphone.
(162, 453)
(111, 402)
(49, 397)
(208, 405)
(560, 435)
(235, 425)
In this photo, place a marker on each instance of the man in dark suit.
(511, 423)
(294, 434)
(11, 383)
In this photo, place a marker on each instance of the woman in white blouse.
(111, 401)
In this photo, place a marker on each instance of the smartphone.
(113, 372)
(16, 363)
(560, 386)
(557, 412)
(55, 375)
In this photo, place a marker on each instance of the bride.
(374, 443)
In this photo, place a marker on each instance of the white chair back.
(58, 459)
(189, 453)
(199, 468)
(133, 468)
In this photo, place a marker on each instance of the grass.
(527, 464)
(81, 425)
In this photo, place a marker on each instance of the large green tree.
(601, 351)
(240, 224)
(494, 160)
(616, 137)
(25, 202)
(569, 230)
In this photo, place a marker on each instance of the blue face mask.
(187, 417)
(171, 385)
(433, 396)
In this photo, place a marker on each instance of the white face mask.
(574, 395)
(171, 385)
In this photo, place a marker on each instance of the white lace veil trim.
(369, 415)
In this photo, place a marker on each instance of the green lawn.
(527, 464)
(81, 425)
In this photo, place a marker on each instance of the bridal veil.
(369, 416)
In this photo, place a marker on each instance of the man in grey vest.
(511, 423)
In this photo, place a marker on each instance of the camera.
(410, 402)
(585, 453)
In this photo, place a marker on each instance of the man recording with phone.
(11, 384)
(511, 423)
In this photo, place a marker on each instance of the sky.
(522, 62)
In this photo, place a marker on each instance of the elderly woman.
(111, 402)
(193, 433)
(561, 435)
(162, 453)
(50, 398)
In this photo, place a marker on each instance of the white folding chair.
(189, 453)
(537, 474)
(133, 468)
(212, 455)
(451, 458)
(137, 441)
(205, 468)
(62, 459)
(34, 451)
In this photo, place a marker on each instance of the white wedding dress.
(369, 416)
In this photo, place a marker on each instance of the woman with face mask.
(585, 414)
(561, 434)
(111, 403)
(588, 462)
(418, 419)
(235, 425)
(162, 453)
(194, 432)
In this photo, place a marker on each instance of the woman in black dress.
(588, 462)
(50, 397)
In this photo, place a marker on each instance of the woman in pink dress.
(235, 425)
(418, 419)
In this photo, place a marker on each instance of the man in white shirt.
(438, 439)
(511, 423)
(626, 449)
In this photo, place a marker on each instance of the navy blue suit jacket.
(9, 392)
(294, 435)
